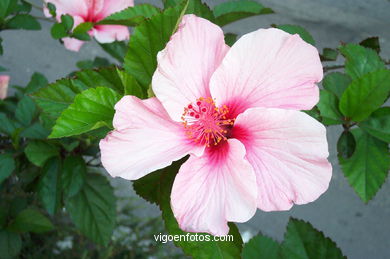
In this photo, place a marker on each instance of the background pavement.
(360, 230)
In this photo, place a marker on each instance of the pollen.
(205, 123)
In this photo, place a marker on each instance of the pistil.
(205, 123)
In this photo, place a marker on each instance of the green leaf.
(372, 43)
(2, 69)
(10, 244)
(117, 49)
(336, 83)
(147, 40)
(7, 126)
(83, 27)
(315, 113)
(35, 131)
(7, 7)
(73, 175)
(8, 105)
(85, 64)
(52, 9)
(37, 81)
(24, 7)
(132, 87)
(70, 144)
(360, 60)
(346, 145)
(295, 29)
(56, 97)
(329, 108)
(329, 54)
(3, 214)
(194, 7)
(200, 9)
(100, 62)
(67, 21)
(58, 31)
(90, 64)
(105, 77)
(30, 220)
(368, 167)
(17, 204)
(7, 166)
(228, 12)
(156, 187)
(303, 241)
(378, 124)
(81, 31)
(91, 109)
(49, 188)
(25, 110)
(148, 187)
(261, 247)
(23, 21)
(365, 95)
(38, 152)
(230, 38)
(131, 16)
(93, 209)
(170, 3)
(81, 36)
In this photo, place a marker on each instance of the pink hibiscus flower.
(236, 112)
(4, 80)
(92, 11)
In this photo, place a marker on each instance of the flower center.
(205, 123)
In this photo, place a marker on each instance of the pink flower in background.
(92, 11)
(236, 112)
(4, 80)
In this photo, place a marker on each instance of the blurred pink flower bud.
(3, 86)
(92, 11)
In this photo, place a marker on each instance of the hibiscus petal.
(145, 139)
(113, 6)
(73, 44)
(187, 63)
(268, 68)
(218, 187)
(288, 151)
(71, 7)
(94, 8)
(110, 33)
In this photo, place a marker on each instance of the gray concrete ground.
(361, 230)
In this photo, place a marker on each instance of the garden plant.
(208, 126)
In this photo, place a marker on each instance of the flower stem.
(43, 18)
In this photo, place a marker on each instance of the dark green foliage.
(301, 241)
(47, 185)
(231, 11)
(368, 167)
(92, 209)
(295, 29)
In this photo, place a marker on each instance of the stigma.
(205, 123)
